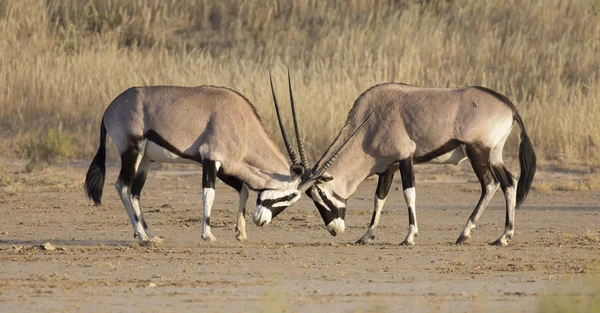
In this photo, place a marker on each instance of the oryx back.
(184, 124)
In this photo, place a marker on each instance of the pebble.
(48, 247)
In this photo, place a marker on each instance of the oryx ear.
(324, 178)
(296, 171)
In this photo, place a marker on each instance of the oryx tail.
(94, 179)
(527, 158)
(527, 161)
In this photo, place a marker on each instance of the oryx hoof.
(209, 238)
(365, 240)
(241, 237)
(462, 239)
(500, 243)
(407, 242)
(154, 242)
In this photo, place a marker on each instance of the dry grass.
(63, 61)
(587, 182)
(587, 237)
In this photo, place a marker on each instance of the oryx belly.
(455, 157)
(159, 154)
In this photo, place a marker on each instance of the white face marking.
(262, 216)
(327, 193)
(336, 227)
(277, 194)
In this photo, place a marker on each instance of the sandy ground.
(293, 264)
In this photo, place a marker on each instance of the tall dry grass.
(63, 61)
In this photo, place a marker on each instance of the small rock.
(17, 248)
(152, 285)
(4, 233)
(48, 247)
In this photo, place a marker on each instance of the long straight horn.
(296, 128)
(316, 173)
(286, 140)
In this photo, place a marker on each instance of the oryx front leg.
(240, 225)
(509, 186)
(130, 161)
(209, 176)
(383, 188)
(408, 185)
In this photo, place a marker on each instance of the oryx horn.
(296, 128)
(316, 173)
(286, 140)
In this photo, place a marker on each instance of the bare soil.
(293, 264)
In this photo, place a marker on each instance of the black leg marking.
(407, 173)
(230, 181)
(408, 182)
(128, 162)
(138, 184)
(385, 182)
(503, 176)
(209, 174)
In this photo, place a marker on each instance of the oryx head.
(318, 186)
(314, 181)
(271, 202)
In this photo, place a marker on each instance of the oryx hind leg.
(383, 188)
(480, 161)
(130, 161)
(508, 183)
(209, 177)
(408, 185)
(136, 190)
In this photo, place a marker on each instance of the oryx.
(404, 125)
(214, 127)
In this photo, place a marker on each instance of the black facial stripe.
(267, 203)
(326, 214)
(337, 212)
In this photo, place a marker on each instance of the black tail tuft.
(94, 179)
(527, 160)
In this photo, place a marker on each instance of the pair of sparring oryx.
(391, 127)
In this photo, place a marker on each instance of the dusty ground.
(292, 264)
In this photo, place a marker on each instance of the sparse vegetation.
(48, 147)
(587, 182)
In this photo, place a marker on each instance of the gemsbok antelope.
(214, 127)
(407, 125)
